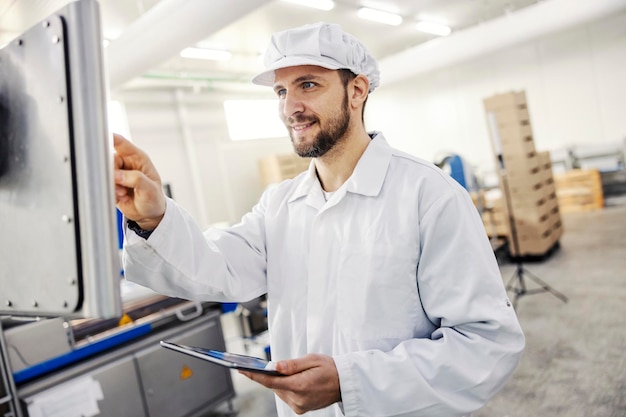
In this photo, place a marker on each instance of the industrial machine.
(75, 338)
(115, 367)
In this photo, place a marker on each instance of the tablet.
(229, 360)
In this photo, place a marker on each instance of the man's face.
(313, 104)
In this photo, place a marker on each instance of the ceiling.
(146, 35)
(247, 36)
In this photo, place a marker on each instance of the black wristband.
(132, 225)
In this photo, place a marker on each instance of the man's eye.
(281, 93)
(308, 84)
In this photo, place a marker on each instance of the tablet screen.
(231, 360)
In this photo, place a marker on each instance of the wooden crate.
(579, 190)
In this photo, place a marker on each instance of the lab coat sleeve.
(477, 342)
(180, 260)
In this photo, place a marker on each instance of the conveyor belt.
(84, 328)
(94, 336)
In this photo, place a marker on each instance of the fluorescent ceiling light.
(315, 4)
(379, 16)
(433, 28)
(201, 53)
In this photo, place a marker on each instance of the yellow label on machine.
(125, 319)
(186, 373)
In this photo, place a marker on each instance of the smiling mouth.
(301, 128)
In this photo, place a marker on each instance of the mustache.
(299, 118)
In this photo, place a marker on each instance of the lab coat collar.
(367, 178)
(371, 170)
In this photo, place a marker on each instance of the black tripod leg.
(518, 285)
(546, 287)
(520, 288)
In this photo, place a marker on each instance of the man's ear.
(360, 90)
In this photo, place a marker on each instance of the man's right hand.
(138, 189)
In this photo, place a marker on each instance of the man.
(384, 296)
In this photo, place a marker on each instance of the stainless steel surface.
(142, 379)
(176, 385)
(93, 162)
(59, 243)
(9, 403)
(36, 342)
(121, 389)
(118, 381)
(38, 266)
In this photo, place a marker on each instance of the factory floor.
(574, 364)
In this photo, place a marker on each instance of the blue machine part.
(120, 231)
(81, 353)
(456, 170)
(460, 171)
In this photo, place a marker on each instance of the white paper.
(77, 398)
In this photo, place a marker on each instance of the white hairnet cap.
(321, 44)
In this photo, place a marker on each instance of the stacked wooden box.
(278, 167)
(528, 201)
(579, 190)
(495, 214)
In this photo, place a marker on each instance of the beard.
(328, 137)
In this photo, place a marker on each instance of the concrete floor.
(574, 364)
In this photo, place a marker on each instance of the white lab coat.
(393, 277)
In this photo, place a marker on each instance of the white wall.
(228, 171)
(575, 84)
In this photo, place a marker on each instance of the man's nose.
(291, 105)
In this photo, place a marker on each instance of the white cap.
(321, 44)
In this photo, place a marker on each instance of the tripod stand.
(517, 282)
(518, 285)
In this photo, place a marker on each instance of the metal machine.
(111, 367)
(74, 339)
(460, 170)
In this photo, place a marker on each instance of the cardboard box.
(549, 188)
(531, 181)
(536, 241)
(512, 116)
(527, 201)
(544, 160)
(518, 170)
(518, 146)
(505, 100)
(514, 140)
(516, 133)
(536, 215)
